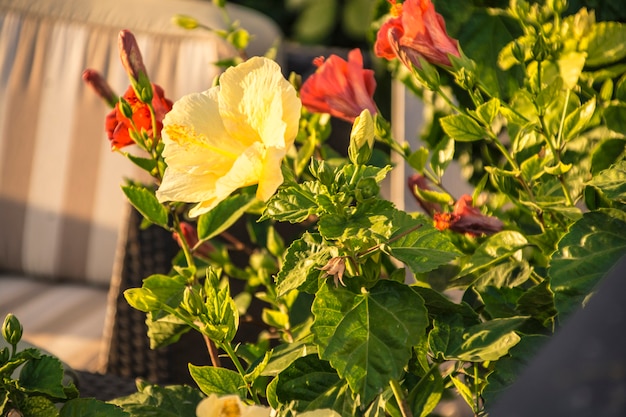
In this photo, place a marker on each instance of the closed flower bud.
(362, 138)
(185, 22)
(12, 329)
(193, 303)
(94, 79)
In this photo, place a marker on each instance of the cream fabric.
(61, 206)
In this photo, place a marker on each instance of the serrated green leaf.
(224, 215)
(418, 244)
(584, 255)
(302, 261)
(153, 400)
(293, 204)
(612, 182)
(220, 381)
(164, 330)
(80, 407)
(605, 44)
(496, 248)
(369, 224)
(489, 341)
(147, 204)
(488, 111)
(368, 337)
(462, 128)
(43, 375)
(306, 380)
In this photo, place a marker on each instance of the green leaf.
(156, 401)
(146, 203)
(508, 368)
(462, 128)
(612, 182)
(34, 406)
(221, 381)
(464, 391)
(607, 153)
(302, 262)
(293, 204)
(164, 330)
(285, 354)
(91, 407)
(615, 116)
(426, 395)
(584, 255)
(486, 341)
(495, 249)
(570, 67)
(579, 120)
(488, 111)
(44, 375)
(605, 44)
(306, 380)
(224, 215)
(417, 160)
(370, 223)
(368, 337)
(418, 244)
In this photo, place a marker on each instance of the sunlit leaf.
(584, 255)
(368, 337)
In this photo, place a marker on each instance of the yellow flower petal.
(231, 136)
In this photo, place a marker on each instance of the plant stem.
(400, 398)
(233, 356)
(215, 359)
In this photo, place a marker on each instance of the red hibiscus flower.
(342, 88)
(467, 219)
(415, 30)
(118, 125)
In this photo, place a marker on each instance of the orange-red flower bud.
(96, 81)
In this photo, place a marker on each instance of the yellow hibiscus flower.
(230, 136)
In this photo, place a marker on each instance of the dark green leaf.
(284, 355)
(146, 203)
(501, 302)
(462, 128)
(221, 381)
(507, 369)
(426, 395)
(615, 116)
(302, 262)
(368, 337)
(80, 407)
(607, 153)
(164, 330)
(156, 401)
(584, 255)
(44, 375)
(223, 215)
(308, 379)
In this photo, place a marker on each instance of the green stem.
(476, 393)
(233, 357)
(398, 392)
(557, 145)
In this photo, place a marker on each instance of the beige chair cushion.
(61, 206)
